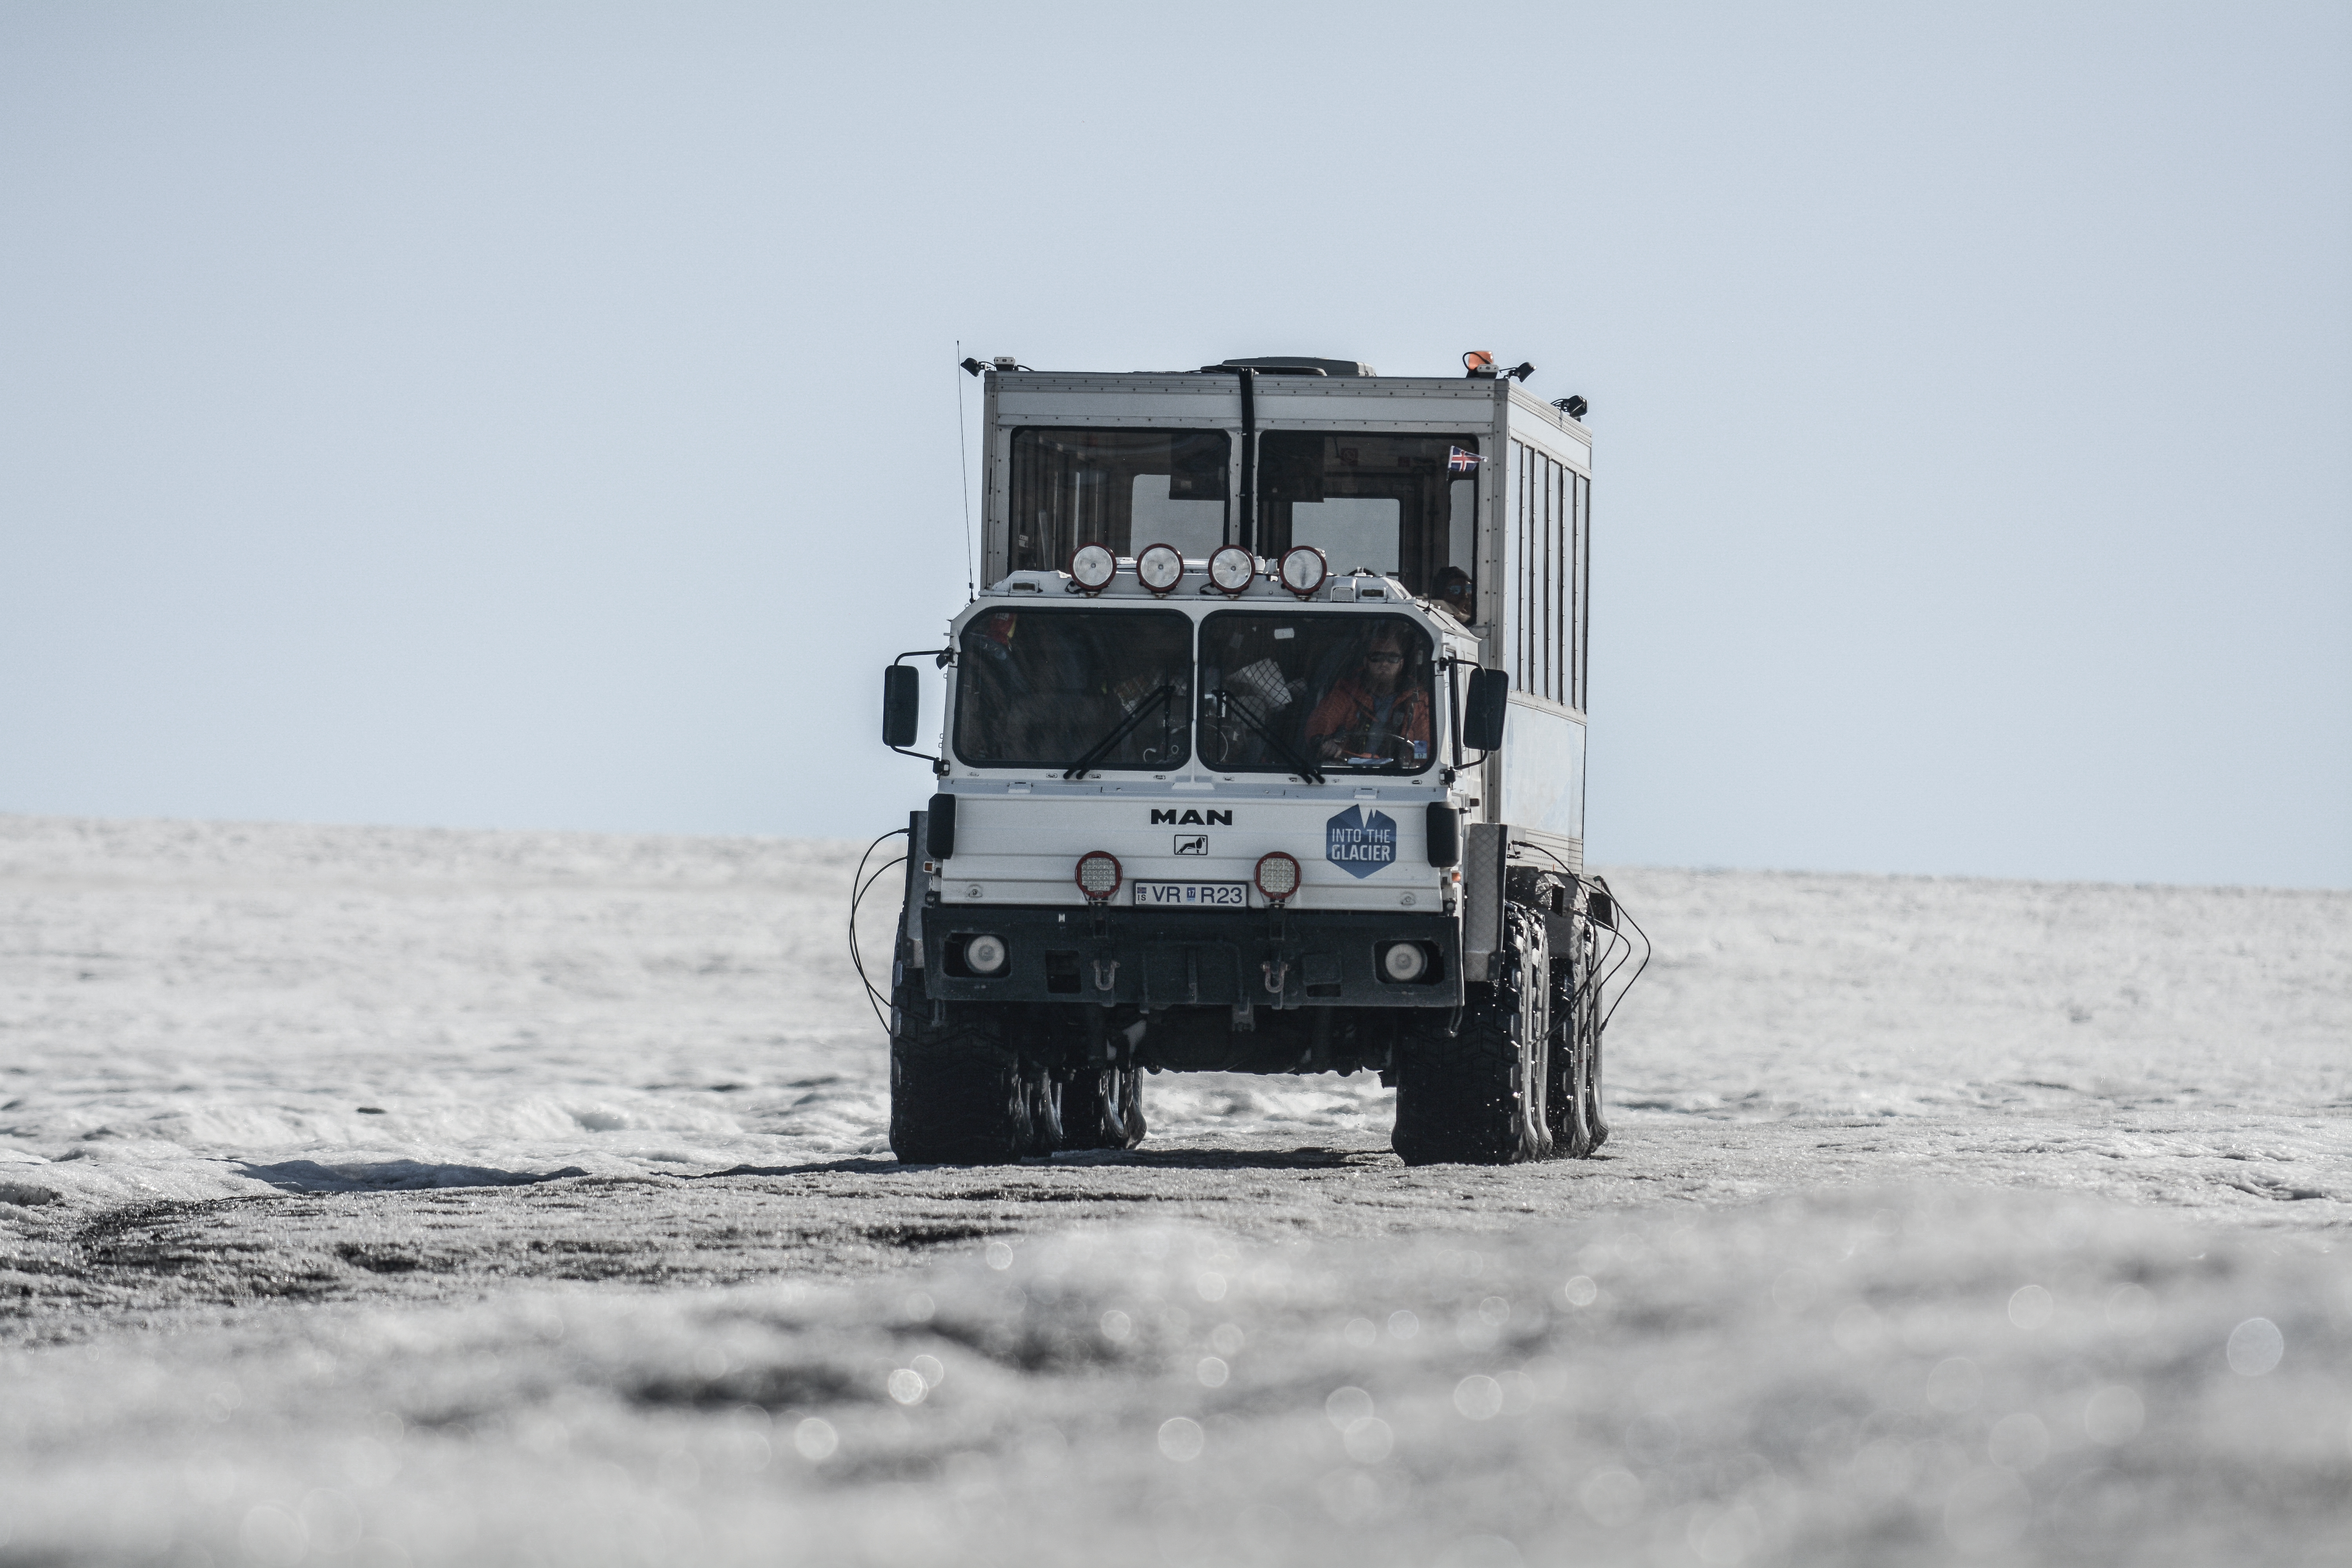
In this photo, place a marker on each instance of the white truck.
(1263, 751)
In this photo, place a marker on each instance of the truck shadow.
(391, 1175)
(1308, 1158)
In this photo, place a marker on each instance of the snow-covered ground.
(385, 1196)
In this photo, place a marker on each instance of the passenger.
(1374, 717)
(1455, 591)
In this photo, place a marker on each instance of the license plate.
(1192, 895)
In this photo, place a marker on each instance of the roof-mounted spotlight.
(1521, 371)
(1092, 566)
(1232, 569)
(1573, 407)
(1302, 569)
(973, 366)
(1160, 567)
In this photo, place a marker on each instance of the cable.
(873, 996)
(859, 883)
(1646, 950)
(963, 471)
(1600, 983)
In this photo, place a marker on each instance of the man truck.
(1263, 751)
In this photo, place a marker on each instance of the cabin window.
(1549, 557)
(1124, 489)
(1387, 503)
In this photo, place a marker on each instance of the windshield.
(1125, 488)
(1052, 688)
(1300, 690)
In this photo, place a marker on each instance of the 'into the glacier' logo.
(1360, 844)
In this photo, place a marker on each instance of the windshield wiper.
(1120, 732)
(1232, 701)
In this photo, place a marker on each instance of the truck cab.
(1263, 751)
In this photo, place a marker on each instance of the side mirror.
(902, 704)
(1484, 708)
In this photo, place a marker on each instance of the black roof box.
(1290, 364)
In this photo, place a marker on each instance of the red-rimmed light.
(1304, 569)
(1277, 876)
(1159, 568)
(1092, 566)
(1098, 875)
(1232, 569)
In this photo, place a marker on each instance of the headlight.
(1277, 876)
(1159, 568)
(985, 954)
(1402, 961)
(1092, 566)
(1098, 875)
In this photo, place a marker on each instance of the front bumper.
(1208, 958)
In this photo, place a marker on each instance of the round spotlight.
(1277, 876)
(1304, 569)
(1232, 569)
(1400, 960)
(985, 954)
(1098, 876)
(1092, 566)
(1159, 568)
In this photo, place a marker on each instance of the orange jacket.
(1351, 709)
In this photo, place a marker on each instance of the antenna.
(963, 470)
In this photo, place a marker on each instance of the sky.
(545, 416)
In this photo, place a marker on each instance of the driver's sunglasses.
(1384, 658)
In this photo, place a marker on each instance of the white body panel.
(1543, 770)
(1020, 831)
(1021, 847)
(1535, 784)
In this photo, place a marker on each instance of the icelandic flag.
(1460, 461)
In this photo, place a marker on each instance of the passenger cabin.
(1402, 476)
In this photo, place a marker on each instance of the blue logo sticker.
(1360, 844)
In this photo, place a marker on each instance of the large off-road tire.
(1567, 1096)
(1477, 1097)
(958, 1095)
(1084, 1097)
(1592, 1117)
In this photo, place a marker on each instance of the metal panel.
(995, 549)
(1543, 768)
(1195, 959)
(1495, 587)
(1552, 851)
(1205, 407)
(1485, 846)
(1308, 411)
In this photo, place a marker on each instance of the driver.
(1373, 717)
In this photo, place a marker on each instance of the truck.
(1261, 750)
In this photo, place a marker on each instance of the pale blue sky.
(543, 416)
